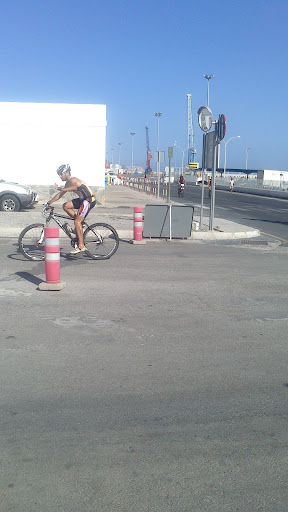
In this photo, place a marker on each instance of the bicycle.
(181, 190)
(101, 240)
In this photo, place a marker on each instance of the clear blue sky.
(139, 57)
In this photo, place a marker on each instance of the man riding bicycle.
(83, 203)
(181, 181)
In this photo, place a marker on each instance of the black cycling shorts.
(83, 206)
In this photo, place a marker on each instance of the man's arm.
(57, 197)
(70, 186)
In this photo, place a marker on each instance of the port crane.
(149, 156)
(191, 150)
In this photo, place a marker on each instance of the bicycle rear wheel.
(101, 241)
(31, 242)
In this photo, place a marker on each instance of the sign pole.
(212, 198)
(203, 174)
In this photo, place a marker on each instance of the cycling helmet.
(63, 168)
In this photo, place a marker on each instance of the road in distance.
(269, 215)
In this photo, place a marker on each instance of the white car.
(199, 181)
(14, 197)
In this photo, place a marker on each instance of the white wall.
(35, 138)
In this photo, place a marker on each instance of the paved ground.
(118, 211)
(155, 381)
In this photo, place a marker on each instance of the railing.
(147, 186)
(243, 182)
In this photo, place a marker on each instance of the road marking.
(273, 236)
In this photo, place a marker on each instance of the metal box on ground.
(157, 221)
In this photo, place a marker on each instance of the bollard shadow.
(126, 240)
(29, 277)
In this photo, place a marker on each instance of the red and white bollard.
(138, 223)
(52, 260)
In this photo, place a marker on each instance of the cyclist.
(209, 186)
(83, 203)
(181, 181)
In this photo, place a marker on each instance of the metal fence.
(149, 186)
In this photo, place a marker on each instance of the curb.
(200, 235)
(128, 234)
(221, 235)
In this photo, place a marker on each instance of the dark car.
(14, 197)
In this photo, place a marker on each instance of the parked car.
(14, 197)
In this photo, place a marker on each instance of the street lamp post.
(246, 151)
(208, 78)
(132, 150)
(183, 151)
(225, 144)
(112, 158)
(158, 115)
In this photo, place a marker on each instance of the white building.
(268, 175)
(38, 137)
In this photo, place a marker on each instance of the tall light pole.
(112, 159)
(225, 144)
(183, 151)
(246, 151)
(208, 78)
(119, 144)
(132, 149)
(158, 115)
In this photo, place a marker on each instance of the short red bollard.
(138, 223)
(138, 226)
(52, 260)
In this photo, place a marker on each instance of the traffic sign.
(221, 126)
(205, 118)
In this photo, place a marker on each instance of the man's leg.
(69, 209)
(82, 213)
(79, 230)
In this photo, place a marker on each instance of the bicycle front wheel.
(101, 241)
(31, 242)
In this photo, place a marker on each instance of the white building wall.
(36, 138)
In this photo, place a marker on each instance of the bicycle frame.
(56, 216)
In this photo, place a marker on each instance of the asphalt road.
(153, 382)
(269, 215)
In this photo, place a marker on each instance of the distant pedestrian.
(231, 184)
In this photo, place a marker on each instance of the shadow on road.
(29, 277)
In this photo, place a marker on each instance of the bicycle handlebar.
(47, 208)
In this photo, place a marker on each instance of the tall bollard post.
(52, 260)
(138, 226)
